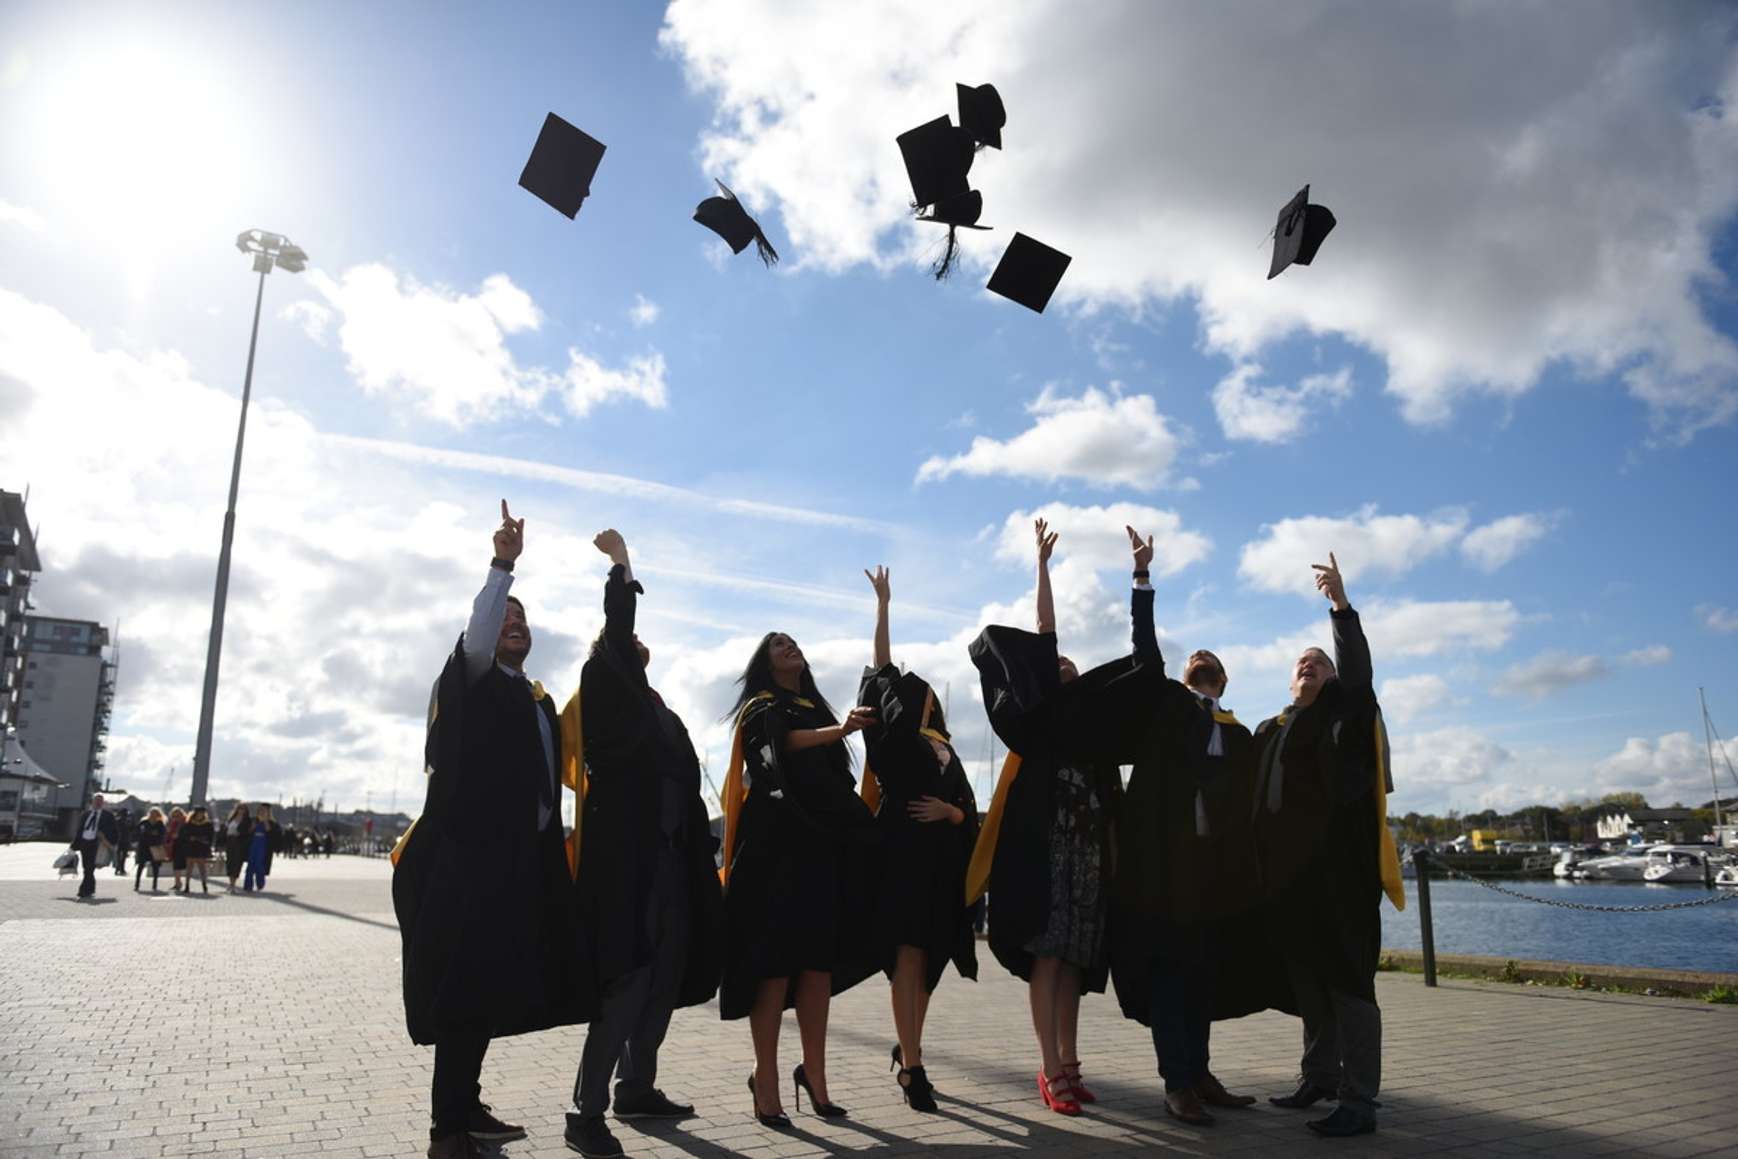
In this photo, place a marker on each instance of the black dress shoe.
(1345, 1121)
(1308, 1094)
(485, 1126)
(588, 1135)
(455, 1146)
(653, 1104)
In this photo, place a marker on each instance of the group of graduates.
(1236, 872)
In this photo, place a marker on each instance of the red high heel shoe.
(1057, 1094)
(1071, 1072)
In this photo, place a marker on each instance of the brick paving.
(272, 1026)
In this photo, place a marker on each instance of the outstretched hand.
(1143, 549)
(1046, 539)
(510, 536)
(857, 720)
(610, 542)
(879, 580)
(1330, 583)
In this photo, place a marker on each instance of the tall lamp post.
(268, 250)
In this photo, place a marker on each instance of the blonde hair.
(154, 814)
(177, 811)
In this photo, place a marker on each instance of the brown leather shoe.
(1214, 1094)
(455, 1146)
(1186, 1107)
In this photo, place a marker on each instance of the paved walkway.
(253, 1026)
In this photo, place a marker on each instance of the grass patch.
(1721, 995)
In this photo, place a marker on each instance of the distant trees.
(1572, 821)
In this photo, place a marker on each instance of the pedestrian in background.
(128, 830)
(237, 833)
(96, 835)
(172, 839)
(263, 842)
(151, 838)
(198, 835)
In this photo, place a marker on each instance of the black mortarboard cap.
(937, 158)
(562, 165)
(961, 210)
(1029, 272)
(1300, 231)
(981, 114)
(726, 217)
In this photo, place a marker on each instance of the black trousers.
(87, 857)
(143, 863)
(458, 1069)
(1181, 993)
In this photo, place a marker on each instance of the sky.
(1505, 395)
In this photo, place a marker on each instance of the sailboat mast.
(1708, 735)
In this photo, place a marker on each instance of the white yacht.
(1626, 866)
(1668, 863)
(1728, 875)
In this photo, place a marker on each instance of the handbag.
(105, 855)
(67, 862)
(159, 853)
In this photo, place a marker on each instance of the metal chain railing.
(1581, 905)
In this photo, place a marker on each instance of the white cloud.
(22, 216)
(1366, 544)
(1496, 543)
(1564, 212)
(1095, 536)
(447, 351)
(1444, 757)
(1649, 657)
(1671, 768)
(1103, 439)
(1406, 698)
(311, 316)
(1717, 619)
(1274, 414)
(1548, 673)
(644, 311)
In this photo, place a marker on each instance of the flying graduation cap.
(726, 217)
(562, 164)
(1029, 272)
(1300, 231)
(938, 158)
(981, 114)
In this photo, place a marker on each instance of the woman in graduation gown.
(928, 822)
(798, 872)
(1046, 849)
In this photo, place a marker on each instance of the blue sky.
(1504, 394)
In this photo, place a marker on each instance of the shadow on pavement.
(289, 899)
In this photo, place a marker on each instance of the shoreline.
(1704, 985)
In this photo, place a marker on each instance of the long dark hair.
(757, 678)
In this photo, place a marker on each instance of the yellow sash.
(984, 853)
(735, 792)
(1387, 856)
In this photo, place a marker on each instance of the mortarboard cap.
(937, 159)
(981, 114)
(1029, 272)
(1299, 233)
(961, 210)
(562, 164)
(726, 217)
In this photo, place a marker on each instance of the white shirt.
(91, 822)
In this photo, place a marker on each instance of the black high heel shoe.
(915, 1085)
(826, 1110)
(779, 1122)
(898, 1057)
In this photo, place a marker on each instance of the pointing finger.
(1334, 562)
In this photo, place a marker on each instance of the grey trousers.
(1342, 1038)
(624, 1038)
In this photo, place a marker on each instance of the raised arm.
(1146, 640)
(1046, 605)
(618, 593)
(1351, 650)
(489, 609)
(807, 738)
(879, 579)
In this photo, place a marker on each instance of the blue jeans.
(1181, 993)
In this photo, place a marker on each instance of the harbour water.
(1470, 919)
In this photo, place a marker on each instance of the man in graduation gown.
(481, 883)
(651, 910)
(1187, 878)
(1327, 859)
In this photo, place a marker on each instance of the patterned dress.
(1078, 900)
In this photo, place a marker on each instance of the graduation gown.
(1046, 725)
(484, 899)
(800, 882)
(1186, 844)
(633, 748)
(919, 895)
(1326, 851)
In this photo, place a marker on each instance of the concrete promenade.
(272, 1025)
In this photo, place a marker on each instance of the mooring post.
(1427, 936)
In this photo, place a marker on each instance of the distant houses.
(1651, 826)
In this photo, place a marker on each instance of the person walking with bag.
(94, 839)
(197, 837)
(151, 848)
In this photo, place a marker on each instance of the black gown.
(800, 894)
(919, 899)
(484, 899)
(1321, 850)
(1054, 729)
(634, 745)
